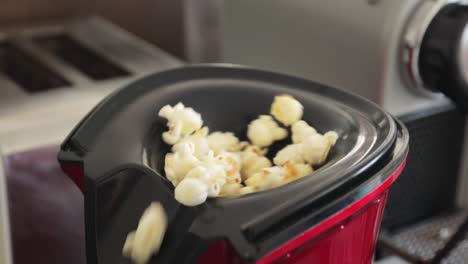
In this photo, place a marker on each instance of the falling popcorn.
(263, 131)
(286, 109)
(148, 237)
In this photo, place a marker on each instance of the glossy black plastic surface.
(439, 62)
(120, 148)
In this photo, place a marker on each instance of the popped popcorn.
(183, 118)
(178, 164)
(199, 141)
(246, 147)
(286, 109)
(231, 190)
(191, 192)
(173, 135)
(300, 130)
(263, 131)
(268, 178)
(203, 165)
(223, 141)
(148, 237)
(315, 149)
(232, 165)
(291, 153)
(252, 163)
(332, 137)
(213, 184)
(296, 171)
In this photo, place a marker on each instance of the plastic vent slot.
(82, 58)
(27, 71)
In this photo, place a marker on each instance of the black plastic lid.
(120, 147)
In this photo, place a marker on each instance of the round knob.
(443, 54)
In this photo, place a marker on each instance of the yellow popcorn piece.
(247, 190)
(252, 163)
(286, 109)
(148, 237)
(332, 137)
(300, 130)
(232, 165)
(291, 153)
(295, 171)
(128, 246)
(223, 141)
(315, 149)
(268, 178)
(231, 190)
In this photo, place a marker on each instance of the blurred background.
(58, 58)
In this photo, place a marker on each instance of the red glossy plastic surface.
(76, 174)
(348, 237)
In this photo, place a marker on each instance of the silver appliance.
(410, 56)
(50, 77)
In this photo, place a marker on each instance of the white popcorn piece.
(315, 149)
(232, 165)
(231, 190)
(178, 164)
(286, 109)
(295, 171)
(332, 137)
(263, 131)
(223, 141)
(300, 130)
(173, 135)
(253, 163)
(199, 141)
(210, 177)
(191, 192)
(291, 153)
(268, 178)
(214, 166)
(148, 237)
(189, 119)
